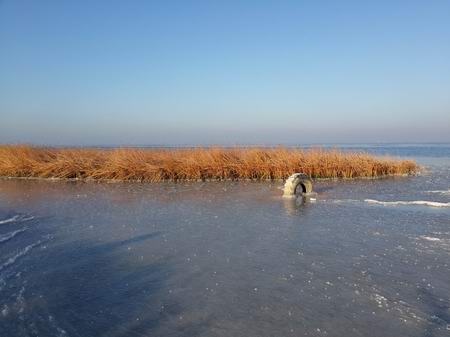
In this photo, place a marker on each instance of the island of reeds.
(212, 163)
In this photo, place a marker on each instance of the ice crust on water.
(414, 202)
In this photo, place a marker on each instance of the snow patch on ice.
(21, 253)
(10, 235)
(415, 202)
(16, 218)
(439, 191)
(430, 238)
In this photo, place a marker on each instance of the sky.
(224, 72)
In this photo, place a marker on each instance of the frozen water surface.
(228, 259)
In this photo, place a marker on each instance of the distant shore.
(210, 163)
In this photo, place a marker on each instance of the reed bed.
(215, 163)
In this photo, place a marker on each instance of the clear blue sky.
(230, 72)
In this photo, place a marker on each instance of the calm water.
(229, 259)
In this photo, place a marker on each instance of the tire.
(295, 182)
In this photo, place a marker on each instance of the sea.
(363, 257)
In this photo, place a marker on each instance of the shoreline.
(280, 180)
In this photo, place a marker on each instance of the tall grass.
(192, 164)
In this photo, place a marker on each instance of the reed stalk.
(211, 163)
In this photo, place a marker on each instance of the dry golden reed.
(215, 163)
